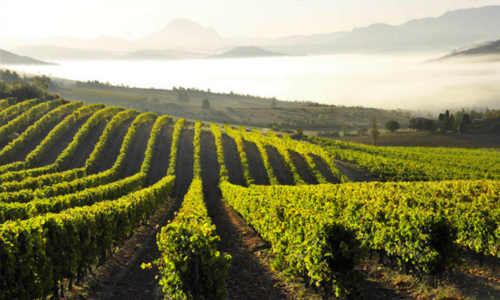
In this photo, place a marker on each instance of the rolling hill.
(9, 58)
(247, 52)
(487, 51)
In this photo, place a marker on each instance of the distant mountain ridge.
(9, 58)
(488, 51)
(247, 52)
(451, 30)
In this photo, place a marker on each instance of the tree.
(463, 128)
(362, 131)
(205, 104)
(392, 126)
(275, 126)
(33, 88)
(428, 125)
(182, 96)
(447, 121)
(299, 133)
(466, 119)
(345, 130)
(412, 124)
(375, 133)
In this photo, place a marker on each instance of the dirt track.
(324, 169)
(280, 169)
(255, 164)
(184, 166)
(232, 161)
(62, 143)
(354, 173)
(301, 165)
(136, 153)
(161, 155)
(248, 279)
(87, 146)
(113, 146)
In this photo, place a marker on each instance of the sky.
(133, 19)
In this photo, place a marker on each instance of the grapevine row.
(190, 266)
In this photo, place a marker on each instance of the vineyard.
(82, 185)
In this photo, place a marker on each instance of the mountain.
(9, 58)
(303, 40)
(70, 54)
(112, 44)
(487, 51)
(451, 30)
(185, 33)
(454, 28)
(247, 52)
(62, 53)
(156, 55)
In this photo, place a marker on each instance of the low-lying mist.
(385, 81)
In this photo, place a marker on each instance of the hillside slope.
(9, 58)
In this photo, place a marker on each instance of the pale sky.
(133, 19)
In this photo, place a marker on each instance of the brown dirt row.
(136, 153)
(280, 169)
(354, 173)
(161, 155)
(247, 278)
(113, 146)
(85, 149)
(301, 165)
(255, 164)
(324, 169)
(121, 277)
(62, 143)
(33, 143)
(184, 166)
(232, 161)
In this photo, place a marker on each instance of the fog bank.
(384, 81)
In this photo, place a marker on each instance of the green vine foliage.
(190, 266)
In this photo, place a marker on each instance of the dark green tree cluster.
(28, 89)
(183, 97)
(9, 77)
(447, 121)
(392, 126)
(205, 104)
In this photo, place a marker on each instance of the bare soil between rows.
(161, 155)
(113, 146)
(135, 156)
(122, 277)
(232, 161)
(255, 164)
(324, 169)
(184, 165)
(300, 164)
(87, 146)
(247, 278)
(354, 173)
(280, 169)
(62, 143)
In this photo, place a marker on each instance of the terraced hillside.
(108, 203)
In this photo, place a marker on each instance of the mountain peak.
(184, 24)
(186, 33)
